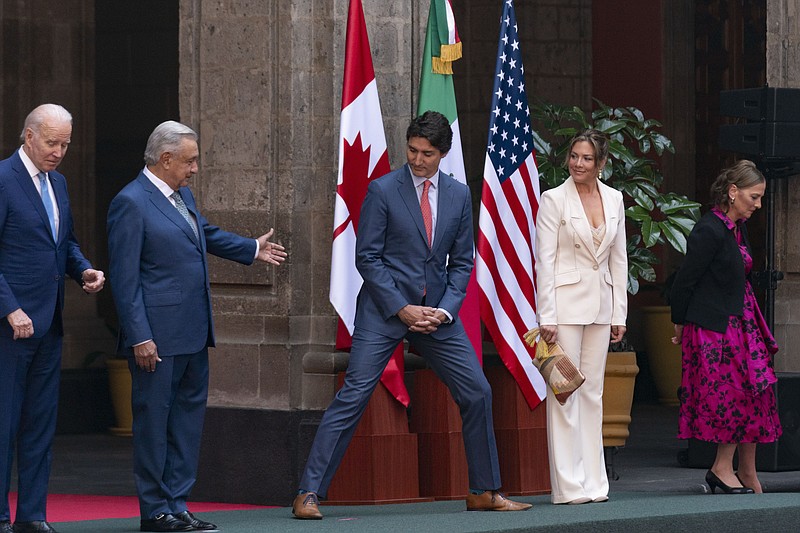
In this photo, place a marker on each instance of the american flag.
(509, 202)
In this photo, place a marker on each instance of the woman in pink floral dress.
(726, 392)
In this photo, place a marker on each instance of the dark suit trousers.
(30, 371)
(169, 406)
(454, 362)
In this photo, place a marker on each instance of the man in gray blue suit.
(414, 249)
(158, 242)
(38, 250)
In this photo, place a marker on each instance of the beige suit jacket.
(576, 284)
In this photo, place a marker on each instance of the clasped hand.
(92, 280)
(421, 319)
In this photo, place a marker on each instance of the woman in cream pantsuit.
(581, 274)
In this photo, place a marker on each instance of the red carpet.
(77, 507)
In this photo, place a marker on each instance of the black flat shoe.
(714, 482)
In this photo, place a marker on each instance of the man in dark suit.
(158, 242)
(37, 250)
(415, 252)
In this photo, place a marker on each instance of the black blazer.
(709, 287)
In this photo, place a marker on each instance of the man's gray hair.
(167, 137)
(52, 113)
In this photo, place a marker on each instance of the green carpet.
(625, 512)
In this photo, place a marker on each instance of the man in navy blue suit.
(158, 242)
(414, 250)
(37, 250)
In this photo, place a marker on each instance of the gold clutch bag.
(555, 366)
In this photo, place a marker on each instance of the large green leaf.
(685, 224)
(674, 236)
(637, 213)
(651, 232)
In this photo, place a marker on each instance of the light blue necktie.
(181, 207)
(48, 204)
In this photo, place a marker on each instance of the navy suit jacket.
(32, 264)
(393, 257)
(158, 269)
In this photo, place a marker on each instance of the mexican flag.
(436, 93)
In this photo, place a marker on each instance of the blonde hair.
(743, 174)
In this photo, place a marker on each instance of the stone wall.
(783, 70)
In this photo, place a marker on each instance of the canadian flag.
(362, 157)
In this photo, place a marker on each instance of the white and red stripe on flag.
(507, 231)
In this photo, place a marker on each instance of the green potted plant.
(658, 217)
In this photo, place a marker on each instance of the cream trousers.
(575, 429)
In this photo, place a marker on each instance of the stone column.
(783, 70)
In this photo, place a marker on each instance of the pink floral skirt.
(726, 393)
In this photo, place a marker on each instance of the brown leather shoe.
(491, 500)
(306, 507)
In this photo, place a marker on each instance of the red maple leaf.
(356, 178)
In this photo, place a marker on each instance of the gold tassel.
(543, 350)
(438, 66)
(450, 52)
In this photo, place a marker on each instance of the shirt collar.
(162, 186)
(419, 181)
(29, 166)
(730, 224)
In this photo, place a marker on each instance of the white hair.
(167, 137)
(53, 113)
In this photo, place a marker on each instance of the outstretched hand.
(270, 252)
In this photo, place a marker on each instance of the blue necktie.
(184, 211)
(48, 204)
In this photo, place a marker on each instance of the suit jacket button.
(577, 245)
(595, 267)
(563, 222)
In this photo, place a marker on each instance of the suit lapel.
(610, 212)
(444, 208)
(577, 216)
(26, 184)
(167, 209)
(409, 197)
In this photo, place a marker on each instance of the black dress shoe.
(714, 482)
(164, 522)
(37, 526)
(6, 527)
(198, 525)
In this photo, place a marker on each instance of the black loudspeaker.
(773, 457)
(770, 104)
(766, 139)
